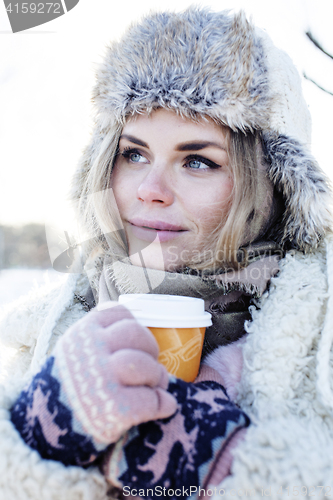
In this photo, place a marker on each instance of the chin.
(151, 263)
(155, 256)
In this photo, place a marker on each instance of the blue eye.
(196, 162)
(133, 156)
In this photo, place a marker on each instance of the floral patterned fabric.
(174, 452)
(180, 451)
(46, 424)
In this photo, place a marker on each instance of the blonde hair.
(233, 232)
(103, 227)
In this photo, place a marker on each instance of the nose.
(156, 187)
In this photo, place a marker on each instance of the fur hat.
(200, 62)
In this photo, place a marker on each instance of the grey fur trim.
(197, 63)
(305, 189)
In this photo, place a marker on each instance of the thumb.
(167, 404)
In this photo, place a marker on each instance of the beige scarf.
(227, 295)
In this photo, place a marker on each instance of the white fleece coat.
(285, 389)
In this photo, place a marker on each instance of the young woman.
(197, 182)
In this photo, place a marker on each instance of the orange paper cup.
(178, 325)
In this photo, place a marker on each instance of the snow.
(17, 282)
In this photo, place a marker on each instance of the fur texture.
(291, 440)
(201, 63)
(305, 189)
(197, 63)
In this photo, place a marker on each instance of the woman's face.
(172, 185)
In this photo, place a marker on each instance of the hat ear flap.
(305, 190)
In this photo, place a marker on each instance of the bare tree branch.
(317, 44)
(321, 88)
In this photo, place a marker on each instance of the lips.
(147, 230)
(156, 224)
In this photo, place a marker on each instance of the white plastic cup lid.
(167, 311)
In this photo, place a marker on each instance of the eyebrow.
(196, 146)
(133, 139)
(186, 146)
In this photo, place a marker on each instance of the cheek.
(122, 189)
(208, 206)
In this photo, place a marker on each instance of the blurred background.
(46, 76)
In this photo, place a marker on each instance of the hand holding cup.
(178, 324)
(108, 369)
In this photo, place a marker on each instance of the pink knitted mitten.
(107, 367)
